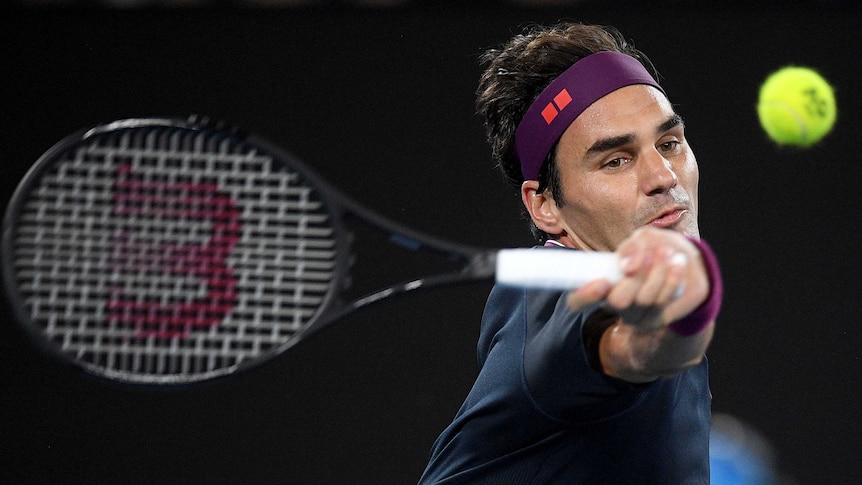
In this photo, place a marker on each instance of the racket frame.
(477, 264)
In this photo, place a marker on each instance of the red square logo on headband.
(549, 113)
(561, 100)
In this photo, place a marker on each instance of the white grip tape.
(555, 268)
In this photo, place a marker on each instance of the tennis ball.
(796, 106)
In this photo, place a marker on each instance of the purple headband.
(579, 86)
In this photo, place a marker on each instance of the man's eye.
(615, 163)
(669, 146)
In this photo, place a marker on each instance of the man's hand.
(664, 279)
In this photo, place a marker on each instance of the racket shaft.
(555, 269)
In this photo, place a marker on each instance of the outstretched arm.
(665, 305)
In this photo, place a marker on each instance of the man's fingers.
(588, 294)
(658, 283)
(674, 284)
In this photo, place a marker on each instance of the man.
(606, 383)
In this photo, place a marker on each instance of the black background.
(380, 102)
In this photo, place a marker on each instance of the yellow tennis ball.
(796, 106)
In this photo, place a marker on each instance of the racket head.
(171, 251)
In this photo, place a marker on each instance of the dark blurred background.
(378, 97)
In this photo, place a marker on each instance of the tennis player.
(607, 383)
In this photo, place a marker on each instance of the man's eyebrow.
(671, 123)
(610, 143)
(614, 142)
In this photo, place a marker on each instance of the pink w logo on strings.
(202, 226)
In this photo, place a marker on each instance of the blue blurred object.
(739, 455)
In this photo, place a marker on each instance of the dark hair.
(515, 75)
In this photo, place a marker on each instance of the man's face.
(624, 163)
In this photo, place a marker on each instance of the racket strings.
(164, 254)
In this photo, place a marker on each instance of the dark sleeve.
(559, 375)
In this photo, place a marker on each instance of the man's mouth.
(669, 218)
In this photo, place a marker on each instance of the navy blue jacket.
(538, 413)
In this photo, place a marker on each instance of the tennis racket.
(170, 251)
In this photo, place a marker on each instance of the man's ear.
(542, 207)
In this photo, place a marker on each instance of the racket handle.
(555, 269)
